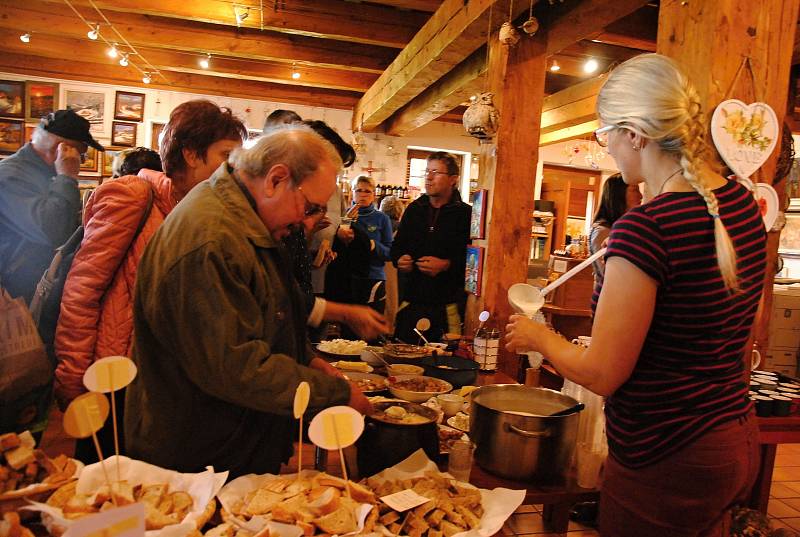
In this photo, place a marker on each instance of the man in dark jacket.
(219, 320)
(430, 248)
(39, 199)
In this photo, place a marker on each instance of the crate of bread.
(28, 473)
(174, 501)
(315, 502)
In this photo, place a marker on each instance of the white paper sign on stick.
(744, 134)
(85, 415)
(109, 374)
(125, 521)
(301, 397)
(336, 427)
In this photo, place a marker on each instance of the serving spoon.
(423, 324)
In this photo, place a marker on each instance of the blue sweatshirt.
(378, 227)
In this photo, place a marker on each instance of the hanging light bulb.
(124, 60)
(146, 78)
(112, 51)
(94, 33)
(590, 66)
(205, 63)
(554, 67)
(25, 38)
(295, 72)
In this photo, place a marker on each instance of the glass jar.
(486, 347)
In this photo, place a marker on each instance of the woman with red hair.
(120, 219)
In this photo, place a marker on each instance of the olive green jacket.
(220, 340)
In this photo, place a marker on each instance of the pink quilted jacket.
(97, 305)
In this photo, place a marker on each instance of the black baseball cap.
(69, 125)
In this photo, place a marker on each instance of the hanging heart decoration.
(745, 134)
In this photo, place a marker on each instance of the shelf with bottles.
(541, 236)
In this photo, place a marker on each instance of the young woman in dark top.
(684, 275)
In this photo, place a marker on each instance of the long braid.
(694, 153)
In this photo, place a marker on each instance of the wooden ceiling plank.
(452, 33)
(569, 133)
(54, 19)
(328, 19)
(455, 87)
(207, 85)
(623, 40)
(584, 20)
(84, 50)
(428, 6)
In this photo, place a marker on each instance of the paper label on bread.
(177, 502)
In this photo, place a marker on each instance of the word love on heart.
(745, 135)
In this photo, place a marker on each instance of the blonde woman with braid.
(683, 279)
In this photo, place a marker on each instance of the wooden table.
(555, 499)
(771, 432)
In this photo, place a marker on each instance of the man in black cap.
(39, 200)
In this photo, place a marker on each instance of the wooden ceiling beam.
(569, 133)
(87, 51)
(572, 106)
(428, 6)
(573, 23)
(367, 24)
(57, 19)
(452, 33)
(24, 64)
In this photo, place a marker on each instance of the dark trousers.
(443, 317)
(690, 493)
(84, 447)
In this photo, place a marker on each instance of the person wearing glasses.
(683, 278)
(430, 253)
(357, 274)
(220, 339)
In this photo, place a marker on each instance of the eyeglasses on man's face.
(311, 209)
(601, 135)
(435, 172)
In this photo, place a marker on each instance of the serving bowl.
(453, 369)
(417, 389)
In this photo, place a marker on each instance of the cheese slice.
(353, 366)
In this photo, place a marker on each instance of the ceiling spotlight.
(124, 60)
(146, 78)
(554, 66)
(590, 66)
(25, 38)
(112, 51)
(94, 33)
(241, 15)
(205, 62)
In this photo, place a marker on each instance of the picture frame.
(12, 98)
(123, 134)
(155, 134)
(90, 105)
(41, 98)
(89, 164)
(29, 132)
(477, 222)
(474, 272)
(129, 106)
(108, 159)
(12, 134)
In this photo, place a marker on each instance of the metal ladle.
(422, 325)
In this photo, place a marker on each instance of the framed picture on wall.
(108, 160)
(41, 98)
(12, 98)
(155, 135)
(12, 134)
(29, 132)
(89, 164)
(129, 106)
(123, 134)
(474, 272)
(90, 105)
(477, 223)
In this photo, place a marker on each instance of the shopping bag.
(26, 374)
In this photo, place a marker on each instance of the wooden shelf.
(573, 312)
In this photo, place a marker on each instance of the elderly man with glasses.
(220, 336)
(430, 252)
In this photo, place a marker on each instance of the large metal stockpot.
(515, 435)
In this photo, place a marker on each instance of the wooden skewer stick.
(300, 450)
(102, 462)
(341, 457)
(114, 419)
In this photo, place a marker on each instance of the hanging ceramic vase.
(530, 26)
(508, 34)
(481, 118)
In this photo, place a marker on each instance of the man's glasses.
(601, 135)
(312, 209)
(363, 191)
(435, 172)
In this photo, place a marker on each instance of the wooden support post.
(508, 170)
(710, 40)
